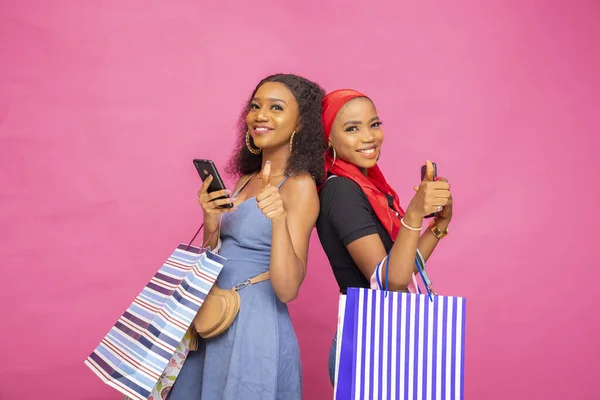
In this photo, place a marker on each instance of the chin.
(261, 142)
(366, 164)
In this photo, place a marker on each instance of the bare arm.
(428, 241)
(291, 236)
(211, 227)
(368, 251)
(430, 195)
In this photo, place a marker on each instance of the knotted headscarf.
(374, 184)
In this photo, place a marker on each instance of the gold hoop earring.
(252, 150)
(292, 141)
(334, 157)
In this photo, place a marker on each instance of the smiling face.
(273, 114)
(356, 133)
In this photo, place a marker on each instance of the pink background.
(103, 105)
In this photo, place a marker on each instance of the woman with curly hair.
(275, 205)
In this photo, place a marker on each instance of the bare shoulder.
(299, 187)
(299, 192)
(301, 199)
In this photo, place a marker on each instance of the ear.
(298, 126)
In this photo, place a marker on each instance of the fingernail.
(268, 162)
(437, 179)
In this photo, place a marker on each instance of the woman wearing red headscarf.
(361, 222)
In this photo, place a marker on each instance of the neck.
(364, 171)
(279, 159)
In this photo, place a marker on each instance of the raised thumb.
(429, 171)
(266, 174)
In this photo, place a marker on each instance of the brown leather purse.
(220, 308)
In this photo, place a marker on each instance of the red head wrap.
(374, 184)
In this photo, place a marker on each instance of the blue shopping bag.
(397, 345)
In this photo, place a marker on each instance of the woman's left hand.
(269, 199)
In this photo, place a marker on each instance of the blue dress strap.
(283, 181)
(243, 185)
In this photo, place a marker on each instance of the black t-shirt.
(346, 215)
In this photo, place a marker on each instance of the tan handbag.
(220, 308)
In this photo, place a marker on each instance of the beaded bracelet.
(409, 227)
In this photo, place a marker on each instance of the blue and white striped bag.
(134, 354)
(396, 345)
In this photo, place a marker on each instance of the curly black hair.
(309, 142)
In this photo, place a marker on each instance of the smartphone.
(435, 175)
(206, 168)
(424, 170)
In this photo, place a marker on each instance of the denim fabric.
(332, 352)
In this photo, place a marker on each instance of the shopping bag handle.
(209, 239)
(420, 263)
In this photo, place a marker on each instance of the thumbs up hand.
(432, 196)
(269, 200)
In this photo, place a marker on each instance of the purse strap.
(258, 278)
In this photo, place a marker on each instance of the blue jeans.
(331, 365)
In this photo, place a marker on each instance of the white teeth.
(367, 151)
(261, 129)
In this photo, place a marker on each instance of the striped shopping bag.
(134, 354)
(396, 345)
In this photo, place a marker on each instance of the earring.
(334, 156)
(252, 150)
(292, 141)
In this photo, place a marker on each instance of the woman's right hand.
(210, 204)
(431, 195)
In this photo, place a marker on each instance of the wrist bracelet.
(410, 228)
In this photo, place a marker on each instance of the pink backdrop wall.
(103, 104)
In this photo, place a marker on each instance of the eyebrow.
(375, 118)
(273, 99)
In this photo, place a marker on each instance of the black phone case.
(206, 168)
(423, 171)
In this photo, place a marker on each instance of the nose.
(261, 115)
(368, 137)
